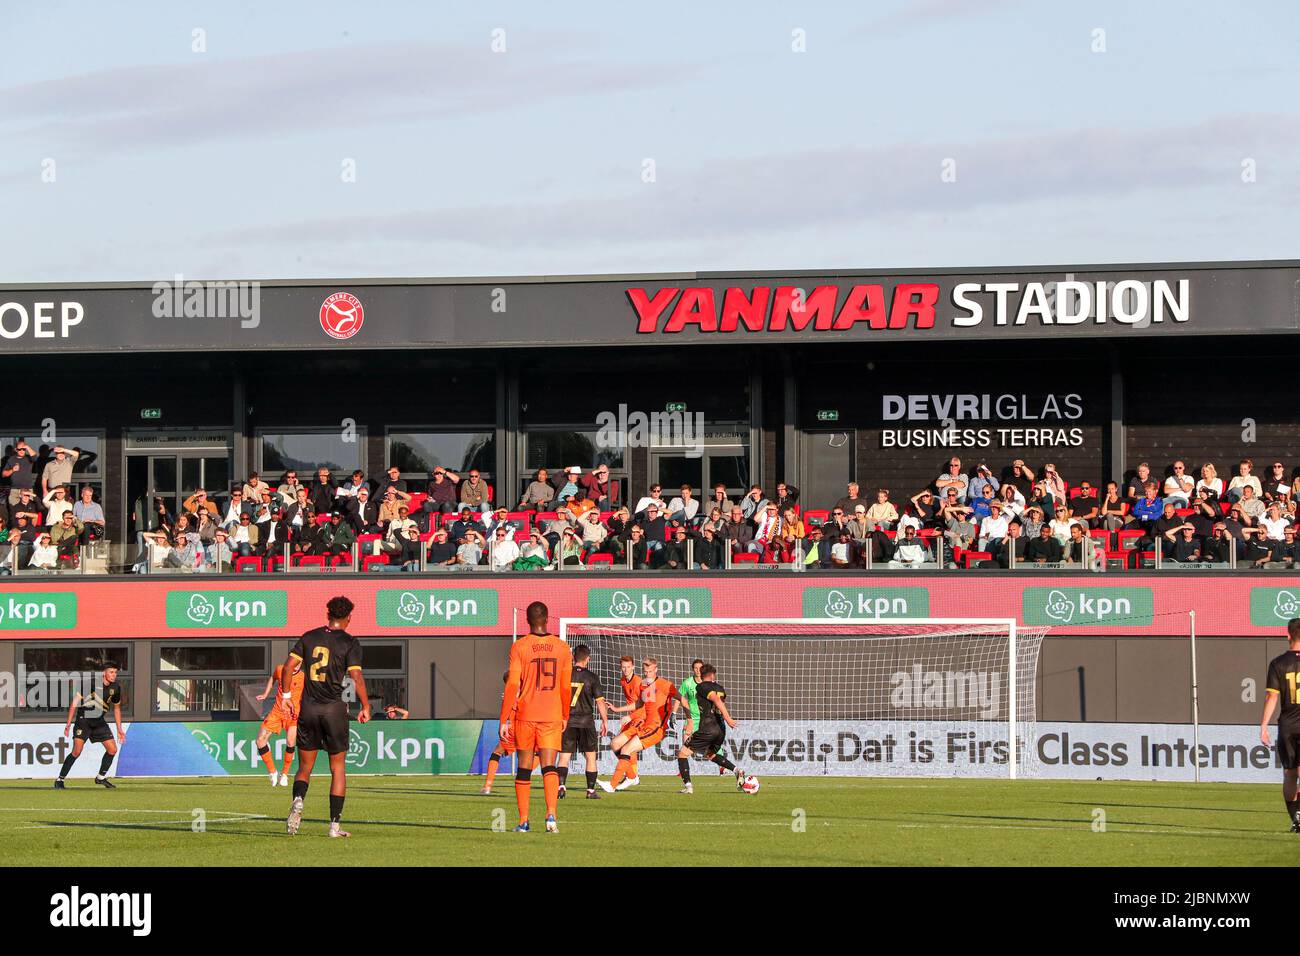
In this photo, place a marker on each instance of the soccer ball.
(749, 785)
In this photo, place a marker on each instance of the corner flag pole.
(1196, 705)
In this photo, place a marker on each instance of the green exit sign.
(675, 407)
(150, 413)
(828, 415)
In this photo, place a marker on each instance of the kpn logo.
(1270, 607)
(444, 607)
(358, 750)
(38, 610)
(649, 603)
(868, 604)
(1088, 607)
(222, 609)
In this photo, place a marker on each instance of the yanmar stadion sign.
(904, 305)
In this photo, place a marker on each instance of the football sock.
(619, 772)
(564, 775)
(105, 764)
(684, 768)
(523, 787)
(300, 788)
(723, 762)
(1291, 807)
(631, 772)
(265, 754)
(67, 766)
(493, 762)
(336, 807)
(551, 788)
(288, 760)
(591, 779)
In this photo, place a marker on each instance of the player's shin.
(620, 771)
(336, 807)
(684, 768)
(591, 780)
(523, 788)
(105, 763)
(723, 762)
(288, 760)
(67, 766)
(551, 788)
(265, 753)
(300, 789)
(493, 763)
(564, 775)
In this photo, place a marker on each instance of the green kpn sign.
(1273, 607)
(38, 611)
(1088, 607)
(649, 603)
(223, 609)
(443, 607)
(867, 604)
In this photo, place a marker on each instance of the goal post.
(891, 697)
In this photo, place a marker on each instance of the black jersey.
(710, 716)
(96, 705)
(327, 656)
(586, 691)
(1284, 680)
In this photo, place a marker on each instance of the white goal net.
(895, 698)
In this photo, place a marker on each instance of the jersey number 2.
(320, 661)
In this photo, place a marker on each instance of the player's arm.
(72, 712)
(511, 695)
(117, 719)
(566, 680)
(1271, 696)
(266, 691)
(359, 679)
(722, 708)
(292, 664)
(603, 706)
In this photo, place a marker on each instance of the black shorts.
(95, 731)
(581, 740)
(323, 727)
(1288, 745)
(706, 741)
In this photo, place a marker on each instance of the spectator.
(199, 501)
(289, 487)
(441, 551)
(322, 492)
(787, 496)
(90, 514)
(474, 491)
(715, 521)
(1085, 506)
(768, 532)
(1273, 522)
(754, 505)
(1183, 545)
(850, 500)
(244, 536)
(1276, 483)
(789, 544)
(395, 500)
(538, 494)
(982, 506)
(348, 490)
(684, 507)
(364, 515)
(882, 515)
(58, 470)
(442, 491)
(983, 479)
(56, 503)
(1205, 512)
(1148, 509)
(844, 552)
(720, 501)
(925, 509)
(1078, 549)
(273, 534)
(1021, 478)
(911, 551)
(570, 554)
(738, 532)
(593, 532)
(597, 486)
(1044, 549)
(859, 529)
(1287, 551)
(19, 468)
(1111, 515)
(254, 487)
(469, 522)
(24, 535)
(469, 548)
(1210, 480)
(44, 555)
(235, 510)
(1218, 547)
(568, 482)
(952, 478)
(1031, 522)
(839, 521)
(392, 479)
(1179, 486)
(1013, 502)
(1054, 482)
(1251, 505)
(536, 553)
(1168, 521)
(396, 537)
(618, 523)
(216, 556)
(993, 528)
(408, 541)
(708, 549)
(1137, 485)
(65, 535)
(504, 551)
(655, 497)
(655, 528)
(813, 555)
(1243, 479)
(336, 537)
(673, 557)
(959, 530)
(580, 505)
(300, 515)
(1014, 542)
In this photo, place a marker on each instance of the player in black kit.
(580, 732)
(90, 715)
(329, 655)
(1283, 688)
(709, 737)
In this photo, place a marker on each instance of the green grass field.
(442, 821)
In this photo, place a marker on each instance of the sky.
(140, 139)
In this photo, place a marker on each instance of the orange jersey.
(537, 688)
(656, 699)
(631, 688)
(295, 687)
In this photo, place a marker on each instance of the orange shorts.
(651, 738)
(277, 721)
(539, 735)
(507, 744)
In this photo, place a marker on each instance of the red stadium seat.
(744, 557)
(247, 564)
(308, 561)
(816, 516)
(370, 560)
(601, 557)
(968, 556)
(275, 562)
(417, 500)
(341, 560)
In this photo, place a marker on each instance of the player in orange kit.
(659, 702)
(283, 717)
(630, 681)
(536, 708)
(504, 749)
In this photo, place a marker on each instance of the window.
(195, 679)
(557, 449)
(384, 665)
(88, 469)
(415, 453)
(309, 449)
(64, 662)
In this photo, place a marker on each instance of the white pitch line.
(243, 818)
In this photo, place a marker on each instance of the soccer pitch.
(792, 821)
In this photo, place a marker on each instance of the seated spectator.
(787, 496)
(273, 535)
(1045, 549)
(504, 551)
(618, 523)
(566, 483)
(983, 479)
(1252, 507)
(839, 521)
(768, 531)
(1205, 512)
(1168, 521)
(754, 504)
(882, 514)
(1218, 547)
(1061, 524)
(396, 537)
(570, 548)
(846, 504)
(1273, 522)
(234, 510)
(1179, 486)
(322, 492)
(1136, 488)
(217, 557)
(470, 546)
(58, 470)
(468, 521)
(392, 479)
(738, 532)
(1243, 479)
(65, 535)
(597, 486)
(707, 549)
(1085, 506)
(535, 553)
(812, 554)
(1111, 514)
(719, 501)
(336, 537)
(982, 506)
(593, 533)
(911, 551)
(636, 548)
(580, 504)
(367, 518)
(1210, 480)
(289, 486)
(993, 528)
(57, 503)
(19, 469)
(953, 478)
(441, 551)
(959, 529)
(1030, 522)
(1183, 545)
(858, 527)
(1078, 549)
(538, 494)
(654, 497)
(1021, 477)
(843, 552)
(789, 543)
(44, 555)
(395, 500)
(1013, 502)
(407, 554)
(714, 521)
(684, 507)
(1044, 499)
(655, 528)
(1148, 509)
(673, 557)
(254, 487)
(441, 491)
(1054, 482)
(1014, 542)
(244, 535)
(474, 491)
(1276, 485)
(300, 515)
(1287, 551)
(199, 501)
(925, 508)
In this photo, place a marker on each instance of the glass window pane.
(75, 658)
(731, 469)
(417, 453)
(308, 451)
(190, 658)
(196, 695)
(216, 474)
(381, 657)
(560, 449)
(88, 464)
(678, 470)
(382, 692)
(164, 475)
(70, 668)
